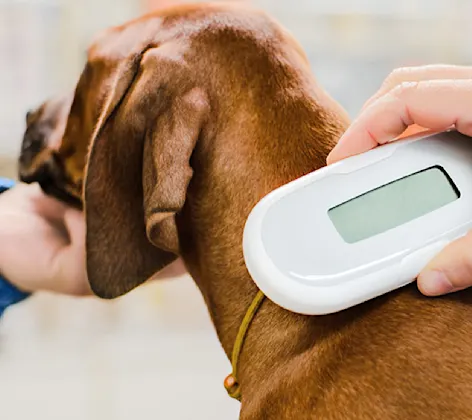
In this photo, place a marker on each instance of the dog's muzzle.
(50, 176)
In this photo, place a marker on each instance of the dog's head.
(58, 134)
(137, 168)
(43, 136)
(184, 90)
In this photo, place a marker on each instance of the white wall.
(352, 44)
(42, 50)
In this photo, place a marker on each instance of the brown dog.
(194, 114)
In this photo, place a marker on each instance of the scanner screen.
(393, 204)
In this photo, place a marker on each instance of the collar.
(231, 382)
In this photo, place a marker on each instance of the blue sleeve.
(9, 294)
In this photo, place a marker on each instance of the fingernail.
(435, 283)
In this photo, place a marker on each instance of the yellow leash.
(231, 382)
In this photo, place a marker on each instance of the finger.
(70, 261)
(417, 74)
(45, 205)
(175, 269)
(412, 130)
(30, 197)
(450, 271)
(435, 105)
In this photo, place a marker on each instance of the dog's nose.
(44, 175)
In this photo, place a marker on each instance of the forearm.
(9, 295)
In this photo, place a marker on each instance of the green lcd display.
(393, 204)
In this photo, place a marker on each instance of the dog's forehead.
(117, 43)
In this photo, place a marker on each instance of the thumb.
(450, 270)
(74, 221)
(70, 262)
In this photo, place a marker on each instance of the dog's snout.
(53, 181)
(45, 174)
(35, 170)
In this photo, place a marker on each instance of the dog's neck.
(275, 335)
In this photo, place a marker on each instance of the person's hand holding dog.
(42, 242)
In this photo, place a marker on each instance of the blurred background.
(153, 354)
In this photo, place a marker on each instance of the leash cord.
(231, 382)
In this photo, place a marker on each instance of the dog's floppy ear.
(139, 169)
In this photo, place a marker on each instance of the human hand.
(42, 242)
(412, 100)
